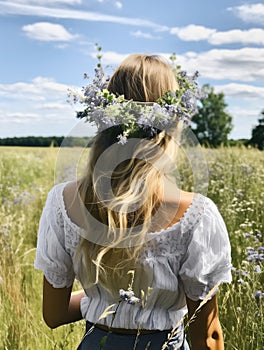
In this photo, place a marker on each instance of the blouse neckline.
(185, 218)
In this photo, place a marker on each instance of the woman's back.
(187, 258)
(140, 246)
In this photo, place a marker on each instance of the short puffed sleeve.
(207, 261)
(51, 256)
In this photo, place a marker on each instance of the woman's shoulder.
(200, 210)
(194, 202)
(209, 204)
(55, 200)
(58, 189)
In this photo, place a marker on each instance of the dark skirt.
(99, 339)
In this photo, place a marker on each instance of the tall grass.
(237, 187)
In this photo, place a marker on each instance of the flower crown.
(106, 109)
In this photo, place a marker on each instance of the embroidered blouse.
(187, 259)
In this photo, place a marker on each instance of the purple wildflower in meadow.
(258, 295)
(17, 200)
(257, 269)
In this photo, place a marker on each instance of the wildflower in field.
(257, 269)
(5, 231)
(239, 272)
(240, 192)
(255, 255)
(258, 235)
(246, 168)
(241, 281)
(258, 295)
(17, 200)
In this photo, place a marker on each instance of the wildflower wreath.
(105, 109)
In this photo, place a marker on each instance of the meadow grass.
(237, 187)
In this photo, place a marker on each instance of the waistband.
(124, 330)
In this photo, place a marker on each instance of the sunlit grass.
(26, 174)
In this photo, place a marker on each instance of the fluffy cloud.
(118, 4)
(245, 103)
(244, 64)
(245, 91)
(40, 103)
(196, 33)
(39, 89)
(250, 13)
(250, 36)
(144, 35)
(193, 32)
(18, 117)
(41, 94)
(111, 57)
(45, 31)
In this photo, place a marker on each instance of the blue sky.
(47, 45)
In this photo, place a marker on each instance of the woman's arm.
(205, 329)
(60, 305)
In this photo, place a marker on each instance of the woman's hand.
(60, 305)
(205, 328)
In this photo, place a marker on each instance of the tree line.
(41, 141)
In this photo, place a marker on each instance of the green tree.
(257, 136)
(212, 122)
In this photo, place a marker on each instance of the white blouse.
(187, 259)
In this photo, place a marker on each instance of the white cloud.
(249, 12)
(18, 116)
(196, 33)
(110, 57)
(241, 91)
(45, 31)
(193, 32)
(118, 4)
(62, 46)
(39, 89)
(250, 36)
(244, 64)
(36, 107)
(11, 8)
(244, 104)
(53, 106)
(40, 93)
(144, 35)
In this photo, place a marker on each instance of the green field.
(237, 187)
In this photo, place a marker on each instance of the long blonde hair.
(135, 182)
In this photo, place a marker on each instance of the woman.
(144, 251)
